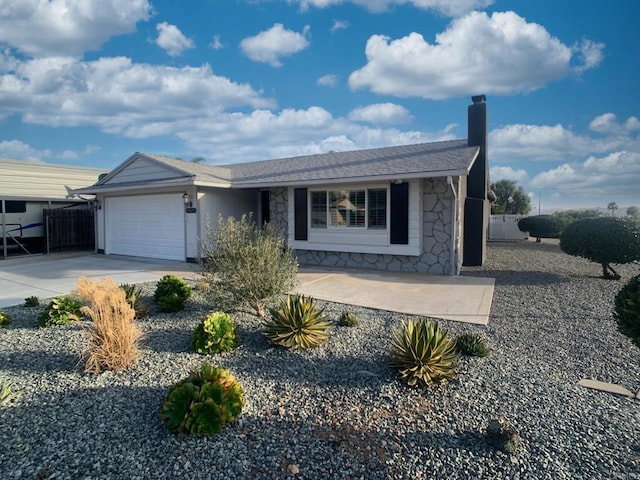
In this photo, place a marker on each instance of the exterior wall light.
(186, 199)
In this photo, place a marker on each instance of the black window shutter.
(399, 213)
(300, 213)
(265, 210)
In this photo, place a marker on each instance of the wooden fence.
(69, 229)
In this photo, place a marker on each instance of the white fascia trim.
(124, 188)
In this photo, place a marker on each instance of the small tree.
(246, 265)
(605, 240)
(633, 212)
(566, 217)
(540, 226)
(510, 198)
(613, 206)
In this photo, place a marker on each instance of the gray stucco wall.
(437, 203)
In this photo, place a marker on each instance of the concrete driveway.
(464, 299)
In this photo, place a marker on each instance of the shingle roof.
(430, 159)
(435, 159)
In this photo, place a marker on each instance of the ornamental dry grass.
(114, 336)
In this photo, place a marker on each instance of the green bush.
(136, 299)
(5, 319)
(604, 240)
(347, 319)
(171, 293)
(627, 310)
(31, 302)
(297, 323)
(203, 402)
(245, 265)
(472, 344)
(502, 435)
(540, 226)
(422, 353)
(215, 334)
(60, 311)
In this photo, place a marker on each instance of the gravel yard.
(337, 412)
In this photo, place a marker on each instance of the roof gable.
(143, 168)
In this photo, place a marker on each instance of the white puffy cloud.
(216, 43)
(500, 54)
(172, 40)
(272, 44)
(117, 95)
(339, 25)
(613, 177)
(67, 27)
(608, 123)
(381, 113)
(501, 173)
(550, 142)
(444, 7)
(17, 150)
(329, 80)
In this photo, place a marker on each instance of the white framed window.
(351, 209)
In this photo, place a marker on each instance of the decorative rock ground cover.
(336, 412)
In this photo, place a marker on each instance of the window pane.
(14, 206)
(378, 208)
(347, 208)
(318, 209)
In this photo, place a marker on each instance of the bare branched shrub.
(114, 335)
(246, 265)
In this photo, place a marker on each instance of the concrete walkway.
(465, 299)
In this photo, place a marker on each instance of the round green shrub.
(215, 334)
(5, 319)
(540, 226)
(627, 310)
(203, 402)
(604, 240)
(171, 293)
(60, 311)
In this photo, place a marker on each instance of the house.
(417, 208)
(26, 188)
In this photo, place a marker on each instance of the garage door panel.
(145, 226)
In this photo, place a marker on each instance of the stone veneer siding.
(437, 202)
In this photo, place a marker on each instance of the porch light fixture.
(186, 199)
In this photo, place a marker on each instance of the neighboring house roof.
(21, 179)
(436, 159)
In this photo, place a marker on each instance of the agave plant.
(297, 323)
(347, 319)
(203, 402)
(472, 344)
(215, 334)
(136, 298)
(422, 353)
(6, 395)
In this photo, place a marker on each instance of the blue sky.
(90, 82)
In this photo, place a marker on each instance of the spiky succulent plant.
(422, 352)
(136, 298)
(6, 395)
(215, 334)
(203, 402)
(297, 323)
(32, 301)
(347, 319)
(472, 344)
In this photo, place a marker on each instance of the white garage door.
(145, 226)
